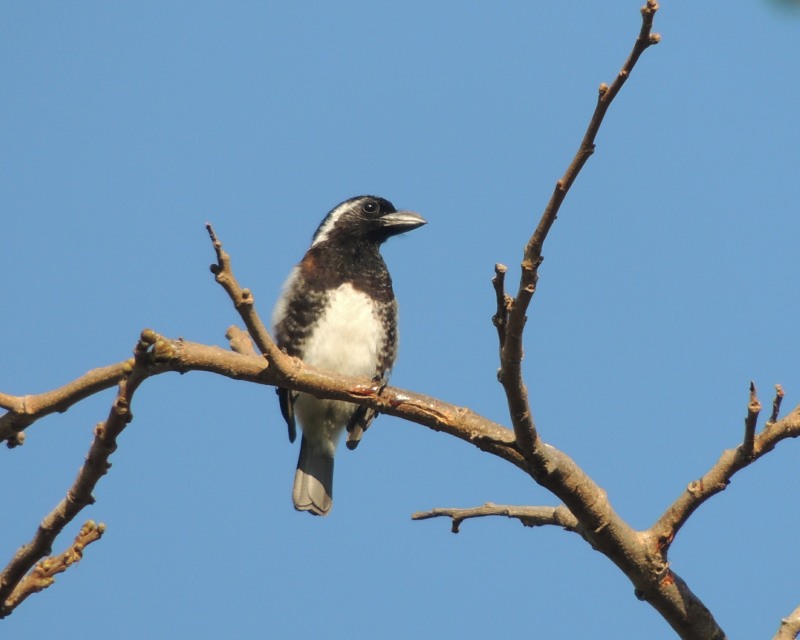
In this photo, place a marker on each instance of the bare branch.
(750, 422)
(790, 626)
(637, 555)
(243, 301)
(23, 411)
(43, 574)
(182, 356)
(512, 352)
(504, 302)
(95, 467)
(776, 405)
(529, 516)
(719, 476)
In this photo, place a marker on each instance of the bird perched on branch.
(338, 312)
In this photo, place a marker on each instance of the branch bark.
(95, 467)
(529, 516)
(23, 411)
(511, 351)
(790, 626)
(44, 573)
(635, 553)
(719, 476)
(154, 355)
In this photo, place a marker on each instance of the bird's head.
(365, 218)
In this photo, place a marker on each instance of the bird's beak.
(401, 221)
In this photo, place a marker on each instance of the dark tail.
(313, 481)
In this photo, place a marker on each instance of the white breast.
(349, 335)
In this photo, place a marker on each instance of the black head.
(365, 218)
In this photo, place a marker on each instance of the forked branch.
(717, 478)
(80, 494)
(44, 573)
(511, 352)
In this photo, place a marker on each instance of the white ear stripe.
(330, 222)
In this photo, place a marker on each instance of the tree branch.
(95, 467)
(634, 553)
(776, 405)
(512, 351)
(504, 302)
(790, 626)
(43, 574)
(154, 355)
(23, 411)
(751, 421)
(244, 302)
(719, 476)
(529, 516)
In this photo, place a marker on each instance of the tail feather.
(313, 481)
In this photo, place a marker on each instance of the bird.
(337, 311)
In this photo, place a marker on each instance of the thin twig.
(43, 574)
(750, 422)
(242, 300)
(504, 301)
(529, 516)
(776, 405)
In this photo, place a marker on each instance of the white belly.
(347, 339)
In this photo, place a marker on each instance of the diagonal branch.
(529, 516)
(719, 476)
(95, 467)
(634, 553)
(790, 626)
(549, 467)
(512, 350)
(243, 301)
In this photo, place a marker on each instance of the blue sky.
(669, 283)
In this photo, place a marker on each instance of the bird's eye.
(370, 206)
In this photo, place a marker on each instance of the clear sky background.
(670, 281)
